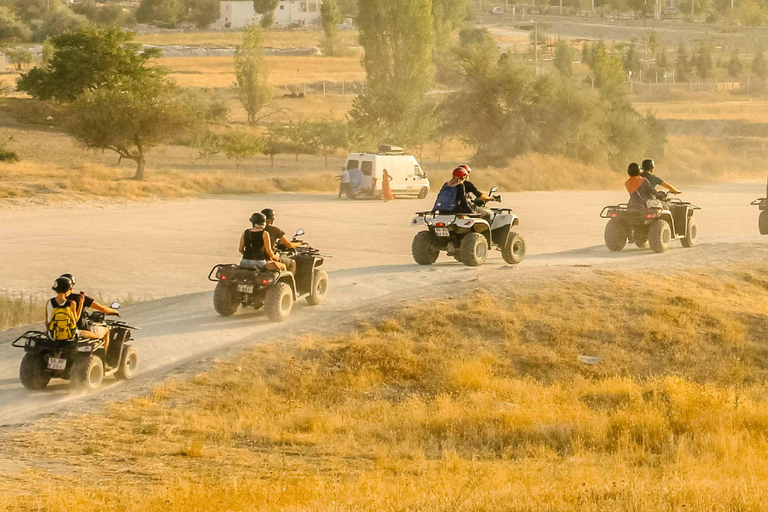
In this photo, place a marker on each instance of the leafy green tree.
(267, 10)
(397, 37)
(682, 62)
(58, 22)
(631, 60)
(201, 12)
(208, 144)
(130, 119)
(20, 57)
(473, 35)
(607, 70)
(563, 59)
(586, 54)
(703, 61)
(11, 27)
(241, 145)
(447, 16)
(662, 60)
(273, 145)
(100, 13)
(164, 13)
(29, 10)
(326, 136)
(331, 18)
(735, 67)
(87, 60)
(251, 74)
(750, 13)
(652, 41)
(759, 66)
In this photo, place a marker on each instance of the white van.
(408, 178)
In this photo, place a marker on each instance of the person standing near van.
(386, 187)
(345, 184)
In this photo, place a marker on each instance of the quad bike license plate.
(442, 232)
(245, 288)
(57, 364)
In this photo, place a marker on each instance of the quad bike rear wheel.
(514, 250)
(32, 373)
(762, 222)
(474, 250)
(128, 363)
(87, 373)
(278, 302)
(659, 235)
(615, 235)
(425, 248)
(225, 299)
(691, 234)
(319, 288)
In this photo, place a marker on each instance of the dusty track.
(167, 249)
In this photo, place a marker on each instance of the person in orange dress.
(386, 189)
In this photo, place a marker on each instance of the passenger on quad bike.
(639, 188)
(278, 235)
(648, 167)
(256, 246)
(64, 312)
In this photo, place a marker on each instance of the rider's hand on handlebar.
(497, 198)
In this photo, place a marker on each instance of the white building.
(239, 13)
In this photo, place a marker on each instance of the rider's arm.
(80, 303)
(242, 244)
(288, 243)
(670, 187)
(268, 247)
(104, 309)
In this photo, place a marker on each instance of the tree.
(631, 60)
(87, 60)
(759, 66)
(703, 61)
(447, 16)
(251, 73)
(11, 27)
(607, 70)
(397, 37)
(273, 145)
(662, 61)
(267, 10)
(19, 57)
(563, 59)
(241, 145)
(164, 13)
(130, 119)
(473, 35)
(682, 64)
(331, 18)
(201, 12)
(327, 136)
(734, 65)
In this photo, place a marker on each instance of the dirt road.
(166, 250)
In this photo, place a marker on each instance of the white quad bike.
(468, 236)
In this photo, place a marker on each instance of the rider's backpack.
(62, 325)
(446, 199)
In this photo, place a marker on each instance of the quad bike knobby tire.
(514, 250)
(319, 288)
(225, 299)
(423, 193)
(33, 373)
(762, 222)
(474, 249)
(659, 235)
(278, 302)
(691, 234)
(425, 248)
(128, 363)
(87, 373)
(615, 235)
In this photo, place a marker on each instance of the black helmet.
(648, 164)
(258, 219)
(269, 213)
(70, 277)
(62, 285)
(633, 169)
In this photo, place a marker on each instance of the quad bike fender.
(473, 223)
(290, 280)
(418, 221)
(505, 219)
(669, 219)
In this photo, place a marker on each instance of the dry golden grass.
(272, 38)
(448, 406)
(726, 108)
(20, 310)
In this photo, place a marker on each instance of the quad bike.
(664, 219)
(468, 236)
(275, 291)
(762, 220)
(84, 362)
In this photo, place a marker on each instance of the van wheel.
(659, 236)
(87, 373)
(128, 363)
(423, 192)
(32, 373)
(319, 288)
(425, 248)
(762, 222)
(225, 299)
(278, 302)
(691, 234)
(514, 251)
(474, 249)
(615, 235)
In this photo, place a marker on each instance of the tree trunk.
(140, 165)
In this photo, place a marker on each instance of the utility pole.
(561, 8)
(536, 48)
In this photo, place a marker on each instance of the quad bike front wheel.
(128, 363)
(32, 373)
(87, 373)
(425, 248)
(762, 222)
(514, 250)
(691, 234)
(659, 235)
(319, 288)
(225, 299)
(615, 235)
(278, 302)
(474, 250)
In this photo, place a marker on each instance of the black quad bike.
(275, 291)
(663, 220)
(762, 220)
(84, 362)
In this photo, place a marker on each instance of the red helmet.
(460, 172)
(466, 168)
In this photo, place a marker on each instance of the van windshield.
(418, 171)
(367, 168)
(353, 164)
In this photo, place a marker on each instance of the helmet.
(466, 168)
(62, 285)
(648, 164)
(269, 213)
(633, 169)
(70, 277)
(460, 172)
(258, 219)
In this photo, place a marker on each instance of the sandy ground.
(167, 250)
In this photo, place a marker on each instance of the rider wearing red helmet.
(463, 187)
(470, 188)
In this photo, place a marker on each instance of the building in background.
(239, 13)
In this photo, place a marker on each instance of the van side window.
(367, 168)
(353, 164)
